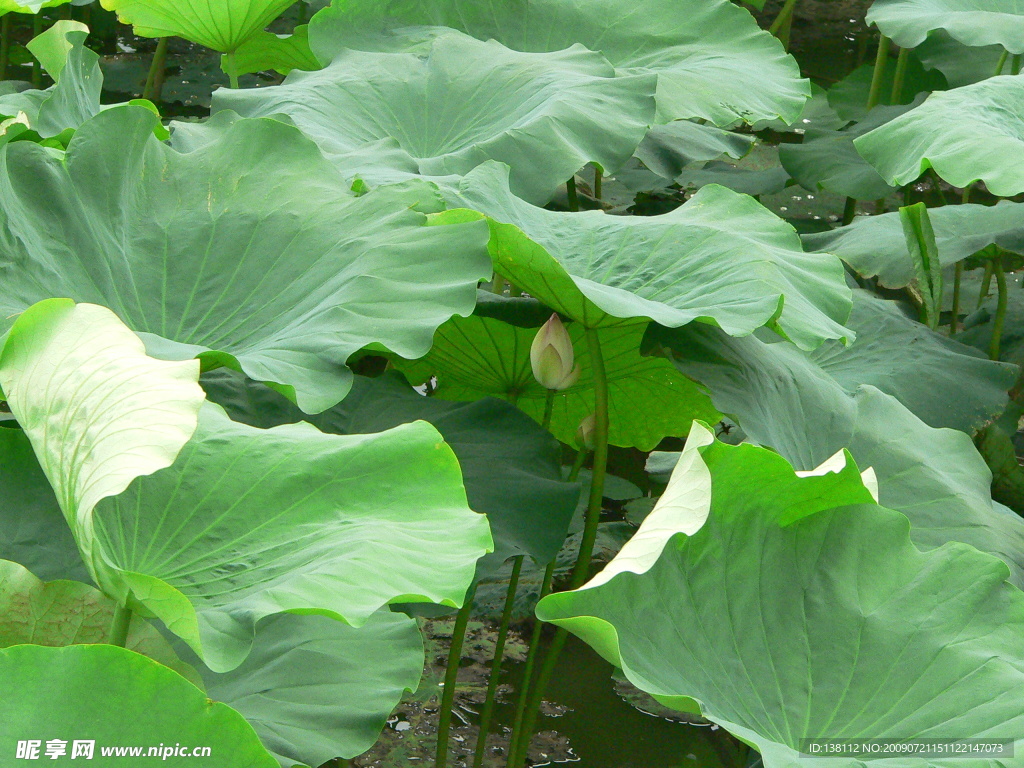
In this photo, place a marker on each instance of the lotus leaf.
(388, 116)
(830, 615)
(711, 59)
(248, 251)
(282, 53)
(971, 22)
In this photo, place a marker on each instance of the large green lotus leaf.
(315, 689)
(711, 59)
(720, 258)
(876, 246)
(668, 149)
(386, 116)
(829, 625)
(248, 523)
(807, 409)
(827, 159)
(971, 22)
(59, 613)
(33, 531)
(961, 64)
(98, 411)
(510, 466)
(282, 53)
(968, 134)
(223, 25)
(29, 6)
(247, 251)
(648, 399)
(115, 698)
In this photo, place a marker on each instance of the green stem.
(1001, 63)
(451, 676)
(784, 14)
(997, 324)
(232, 69)
(155, 78)
(957, 275)
(531, 661)
(5, 45)
(986, 283)
(37, 70)
(598, 183)
(577, 465)
(896, 97)
(118, 634)
(497, 284)
(1015, 64)
(881, 58)
(499, 655)
(547, 669)
(849, 210)
(570, 191)
(549, 406)
(303, 13)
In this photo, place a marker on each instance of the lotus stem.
(896, 97)
(881, 58)
(598, 182)
(5, 45)
(986, 283)
(232, 69)
(577, 465)
(1015, 64)
(1001, 63)
(303, 12)
(570, 191)
(549, 406)
(499, 656)
(957, 275)
(451, 675)
(118, 634)
(37, 69)
(849, 210)
(531, 661)
(537, 689)
(785, 14)
(1000, 318)
(497, 284)
(155, 78)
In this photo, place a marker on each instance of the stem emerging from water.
(881, 59)
(232, 69)
(785, 14)
(451, 675)
(1001, 63)
(849, 211)
(155, 78)
(958, 273)
(118, 634)
(499, 655)
(570, 191)
(896, 97)
(1000, 319)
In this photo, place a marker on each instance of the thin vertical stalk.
(5, 45)
(986, 283)
(577, 465)
(1000, 318)
(37, 70)
(849, 210)
(958, 273)
(499, 655)
(598, 182)
(881, 59)
(118, 634)
(497, 284)
(529, 724)
(896, 96)
(155, 78)
(574, 198)
(451, 675)
(785, 14)
(549, 406)
(232, 69)
(1001, 63)
(1015, 64)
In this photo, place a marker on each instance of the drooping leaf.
(222, 25)
(874, 245)
(967, 134)
(711, 59)
(648, 400)
(247, 250)
(721, 258)
(70, 694)
(808, 407)
(282, 53)
(752, 182)
(924, 253)
(387, 116)
(830, 624)
(315, 689)
(849, 97)
(668, 149)
(971, 22)
(59, 613)
(510, 466)
(961, 64)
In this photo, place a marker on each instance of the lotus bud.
(552, 357)
(585, 433)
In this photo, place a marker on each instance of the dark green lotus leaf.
(70, 694)
(961, 64)
(222, 25)
(829, 625)
(711, 59)
(248, 251)
(767, 181)
(32, 528)
(59, 613)
(849, 97)
(648, 399)
(443, 111)
(971, 22)
(315, 689)
(281, 53)
(968, 134)
(809, 408)
(827, 159)
(510, 466)
(875, 245)
(668, 149)
(721, 258)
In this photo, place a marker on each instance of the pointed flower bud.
(585, 433)
(552, 357)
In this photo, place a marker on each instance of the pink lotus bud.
(552, 357)
(585, 433)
